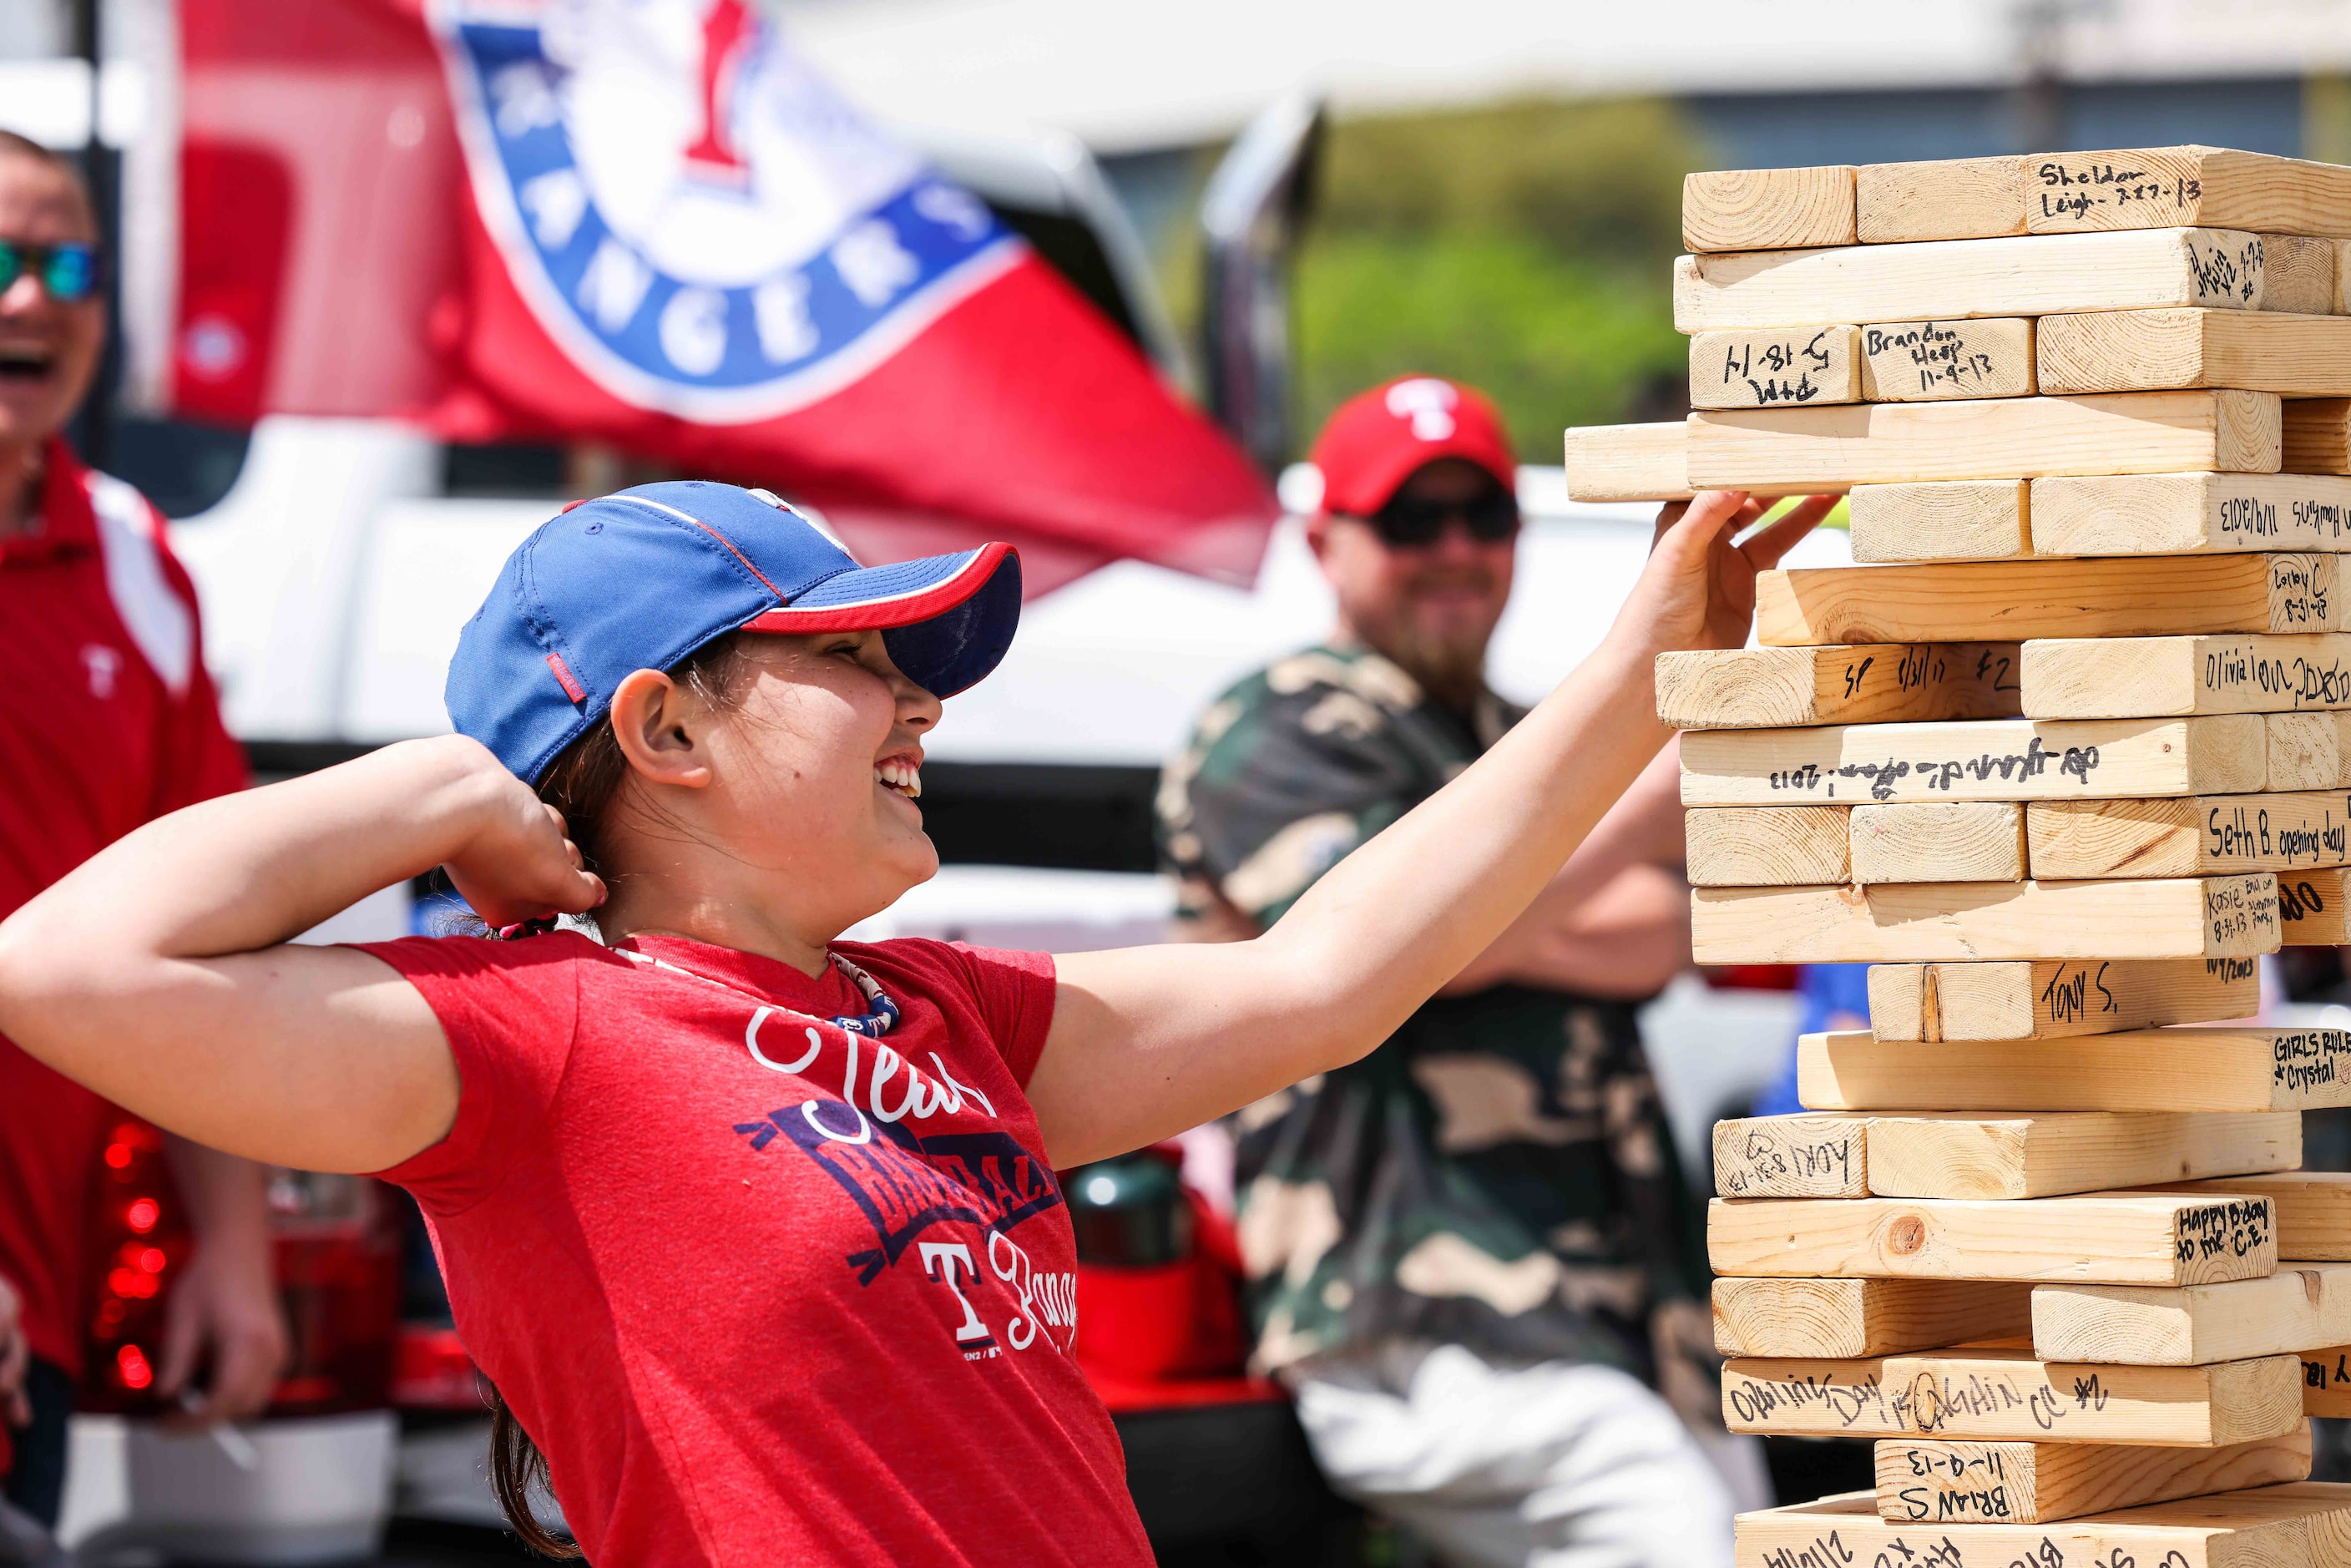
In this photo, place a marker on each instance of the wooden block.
(1756, 688)
(2001, 1393)
(2195, 1068)
(2314, 436)
(2300, 1524)
(2342, 277)
(1951, 519)
(1985, 1392)
(2108, 1238)
(2184, 514)
(1938, 840)
(1901, 923)
(2120, 677)
(1790, 1397)
(1790, 1156)
(2298, 274)
(2197, 836)
(2314, 909)
(2294, 1309)
(2055, 998)
(2029, 276)
(2150, 350)
(1767, 209)
(2153, 187)
(1948, 198)
(1629, 462)
(1845, 1318)
(1988, 438)
(2327, 1382)
(1994, 760)
(2063, 1152)
(1943, 1481)
(2312, 1210)
(1766, 846)
(2307, 750)
(2127, 596)
(1766, 367)
(1936, 362)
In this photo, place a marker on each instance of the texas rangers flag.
(648, 223)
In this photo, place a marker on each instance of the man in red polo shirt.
(107, 720)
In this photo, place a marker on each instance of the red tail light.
(338, 1260)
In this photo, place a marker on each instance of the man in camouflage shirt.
(1472, 1253)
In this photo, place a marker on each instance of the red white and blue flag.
(650, 224)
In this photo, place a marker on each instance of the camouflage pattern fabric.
(1497, 1174)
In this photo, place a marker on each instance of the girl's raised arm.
(157, 974)
(1147, 1041)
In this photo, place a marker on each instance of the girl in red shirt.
(756, 1230)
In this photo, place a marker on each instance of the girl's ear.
(660, 731)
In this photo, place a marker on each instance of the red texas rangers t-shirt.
(762, 1289)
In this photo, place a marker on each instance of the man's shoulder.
(1326, 691)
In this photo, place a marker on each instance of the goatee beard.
(1451, 670)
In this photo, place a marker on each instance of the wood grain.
(2181, 514)
(2151, 350)
(2300, 1524)
(1757, 689)
(2193, 1068)
(1629, 462)
(2056, 998)
(2127, 596)
(2314, 435)
(1996, 1394)
(1765, 367)
(2298, 274)
(2199, 835)
(2122, 677)
(2295, 1309)
(2154, 187)
(1766, 846)
(1949, 519)
(2029, 276)
(1988, 438)
(1941, 1482)
(2312, 1210)
(2115, 1238)
(1948, 198)
(1790, 1156)
(2060, 1152)
(1938, 840)
(1765, 209)
(2307, 750)
(2314, 909)
(1845, 1318)
(2326, 1381)
(1992, 759)
(2182, 917)
(1937, 361)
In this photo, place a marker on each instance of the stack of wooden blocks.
(2060, 761)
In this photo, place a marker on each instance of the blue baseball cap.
(639, 579)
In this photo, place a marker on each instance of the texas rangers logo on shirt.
(696, 219)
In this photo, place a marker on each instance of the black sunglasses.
(1411, 522)
(68, 271)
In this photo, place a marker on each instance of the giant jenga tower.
(2060, 762)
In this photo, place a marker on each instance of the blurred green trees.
(1524, 249)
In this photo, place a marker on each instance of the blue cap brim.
(946, 619)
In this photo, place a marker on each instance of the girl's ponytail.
(516, 1466)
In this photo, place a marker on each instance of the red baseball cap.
(1376, 440)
